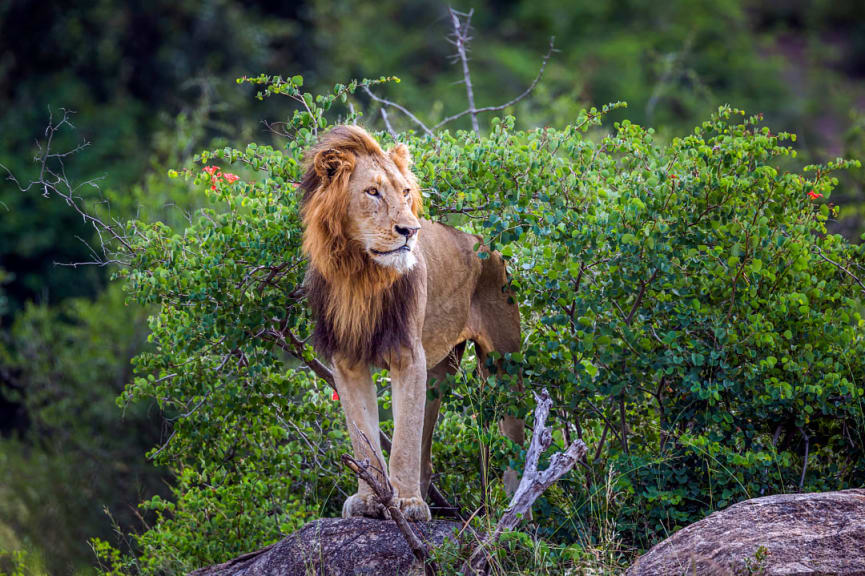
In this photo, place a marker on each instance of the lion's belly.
(452, 270)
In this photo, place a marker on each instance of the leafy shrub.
(682, 302)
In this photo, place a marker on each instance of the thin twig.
(840, 267)
(639, 298)
(805, 463)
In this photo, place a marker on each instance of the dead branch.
(399, 107)
(533, 483)
(387, 124)
(384, 492)
(53, 179)
(461, 40)
(512, 101)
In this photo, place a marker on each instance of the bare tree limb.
(512, 101)
(387, 123)
(533, 483)
(399, 107)
(53, 179)
(805, 458)
(461, 39)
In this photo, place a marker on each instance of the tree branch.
(533, 483)
(387, 124)
(512, 101)
(840, 267)
(461, 40)
(399, 107)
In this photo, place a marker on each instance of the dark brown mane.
(384, 335)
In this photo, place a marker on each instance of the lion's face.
(380, 216)
(360, 212)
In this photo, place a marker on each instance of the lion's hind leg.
(495, 321)
(435, 376)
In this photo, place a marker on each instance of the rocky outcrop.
(337, 547)
(803, 534)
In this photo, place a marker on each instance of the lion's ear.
(400, 156)
(330, 163)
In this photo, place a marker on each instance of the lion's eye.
(372, 191)
(406, 192)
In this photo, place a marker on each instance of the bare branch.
(533, 483)
(805, 458)
(461, 40)
(53, 179)
(512, 101)
(387, 123)
(399, 107)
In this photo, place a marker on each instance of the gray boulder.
(804, 535)
(337, 547)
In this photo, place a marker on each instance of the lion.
(390, 289)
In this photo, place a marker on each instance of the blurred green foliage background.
(153, 83)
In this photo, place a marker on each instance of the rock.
(337, 547)
(804, 535)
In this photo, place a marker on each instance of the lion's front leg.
(358, 398)
(408, 377)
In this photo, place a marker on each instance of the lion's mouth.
(403, 248)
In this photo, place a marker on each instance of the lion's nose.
(407, 231)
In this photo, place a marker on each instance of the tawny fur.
(392, 290)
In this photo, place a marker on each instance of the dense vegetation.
(682, 298)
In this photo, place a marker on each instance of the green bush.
(682, 302)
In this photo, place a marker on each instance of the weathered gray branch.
(461, 40)
(387, 125)
(533, 483)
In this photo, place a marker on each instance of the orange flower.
(814, 195)
(335, 395)
(212, 170)
(231, 177)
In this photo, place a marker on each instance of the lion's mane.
(362, 310)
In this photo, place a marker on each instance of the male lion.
(392, 290)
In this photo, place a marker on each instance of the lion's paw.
(414, 508)
(363, 505)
